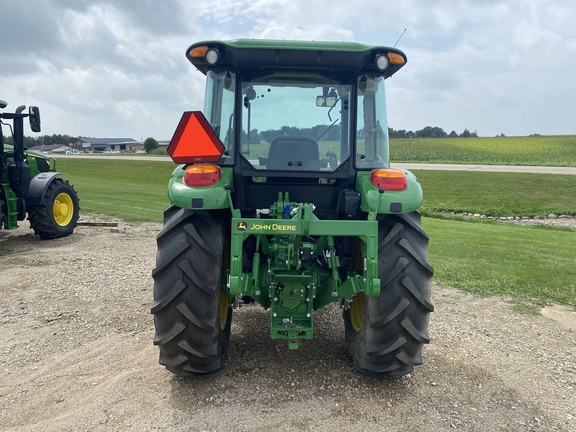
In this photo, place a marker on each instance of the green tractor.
(30, 183)
(284, 196)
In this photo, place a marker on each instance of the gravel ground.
(76, 354)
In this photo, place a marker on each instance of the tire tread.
(394, 327)
(187, 280)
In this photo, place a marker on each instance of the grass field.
(498, 194)
(130, 190)
(557, 150)
(534, 264)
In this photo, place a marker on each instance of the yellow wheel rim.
(224, 305)
(63, 209)
(357, 311)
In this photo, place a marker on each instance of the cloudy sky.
(118, 68)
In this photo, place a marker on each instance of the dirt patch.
(564, 315)
(76, 353)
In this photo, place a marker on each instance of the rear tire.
(58, 216)
(191, 313)
(385, 334)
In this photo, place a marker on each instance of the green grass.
(130, 190)
(498, 194)
(529, 263)
(559, 150)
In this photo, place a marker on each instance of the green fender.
(199, 197)
(392, 202)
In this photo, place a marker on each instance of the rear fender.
(392, 202)
(212, 197)
(39, 186)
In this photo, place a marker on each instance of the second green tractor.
(30, 185)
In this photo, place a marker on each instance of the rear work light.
(382, 62)
(389, 179)
(202, 175)
(212, 56)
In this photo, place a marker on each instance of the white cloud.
(102, 68)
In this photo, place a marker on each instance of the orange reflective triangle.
(195, 140)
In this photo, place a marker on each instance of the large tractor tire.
(58, 216)
(192, 314)
(385, 334)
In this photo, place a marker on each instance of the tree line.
(332, 133)
(43, 140)
(430, 132)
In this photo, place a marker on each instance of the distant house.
(107, 145)
(50, 148)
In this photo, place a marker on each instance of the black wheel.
(385, 334)
(58, 216)
(192, 314)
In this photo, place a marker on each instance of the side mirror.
(3, 104)
(34, 114)
(250, 95)
(328, 101)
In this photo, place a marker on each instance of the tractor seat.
(288, 153)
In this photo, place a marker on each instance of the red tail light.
(389, 179)
(202, 175)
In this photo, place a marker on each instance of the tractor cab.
(290, 114)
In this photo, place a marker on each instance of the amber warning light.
(195, 140)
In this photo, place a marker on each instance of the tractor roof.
(252, 53)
